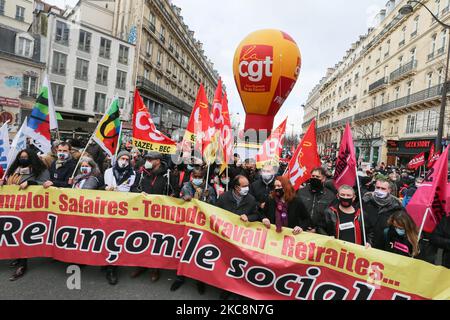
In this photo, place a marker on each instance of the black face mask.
(316, 184)
(24, 163)
(279, 193)
(345, 203)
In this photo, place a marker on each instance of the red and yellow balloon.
(266, 68)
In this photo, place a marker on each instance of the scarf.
(380, 202)
(61, 163)
(79, 178)
(122, 174)
(281, 214)
(237, 198)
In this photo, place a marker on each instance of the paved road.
(46, 279)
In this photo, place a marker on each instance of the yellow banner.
(149, 146)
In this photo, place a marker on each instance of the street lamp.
(406, 10)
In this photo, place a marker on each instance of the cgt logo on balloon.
(255, 68)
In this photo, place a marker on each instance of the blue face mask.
(400, 232)
(190, 168)
(197, 182)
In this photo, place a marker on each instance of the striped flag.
(108, 130)
(42, 119)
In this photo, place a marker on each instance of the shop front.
(401, 152)
(369, 151)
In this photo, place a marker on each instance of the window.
(20, 13)
(102, 75)
(100, 102)
(409, 88)
(58, 94)
(2, 7)
(121, 80)
(163, 34)
(438, 8)
(147, 74)
(413, 54)
(59, 63)
(79, 99)
(430, 80)
(403, 37)
(443, 42)
(121, 103)
(149, 48)
(123, 54)
(440, 75)
(82, 70)
(29, 86)
(416, 27)
(105, 48)
(397, 93)
(62, 33)
(84, 42)
(152, 19)
(159, 58)
(25, 47)
(425, 121)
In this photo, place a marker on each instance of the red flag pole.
(361, 207)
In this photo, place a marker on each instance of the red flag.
(305, 158)
(432, 194)
(270, 151)
(345, 172)
(433, 157)
(417, 161)
(145, 135)
(199, 120)
(226, 136)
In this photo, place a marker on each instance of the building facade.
(22, 66)
(170, 63)
(388, 85)
(17, 14)
(87, 68)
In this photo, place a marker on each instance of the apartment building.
(170, 63)
(17, 14)
(388, 86)
(87, 68)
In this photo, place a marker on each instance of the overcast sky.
(323, 29)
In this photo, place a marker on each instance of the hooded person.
(378, 207)
(121, 177)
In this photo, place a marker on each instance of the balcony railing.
(431, 56)
(163, 94)
(401, 43)
(325, 113)
(403, 70)
(378, 84)
(413, 34)
(418, 97)
(343, 103)
(440, 51)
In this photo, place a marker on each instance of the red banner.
(205, 243)
(345, 173)
(417, 161)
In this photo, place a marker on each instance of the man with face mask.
(261, 188)
(198, 189)
(316, 199)
(61, 169)
(343, 220)
(378, 207)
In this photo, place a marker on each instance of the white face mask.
(123, 163)
(381, 194)
(244, 191)
(149, 165)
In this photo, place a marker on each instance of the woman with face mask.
(221, 183)
(88, 175)
(343, 219)
(26, 170)
(401, 235)
(284, 210)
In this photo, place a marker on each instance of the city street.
(46, 280)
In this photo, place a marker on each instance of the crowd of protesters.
(264, 196)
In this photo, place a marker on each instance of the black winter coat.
(297, 214)
(441, 239)
(261, 191)
(377, 217)
(316, 203)
(154, 182)
(248, 206)
(60, 177)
